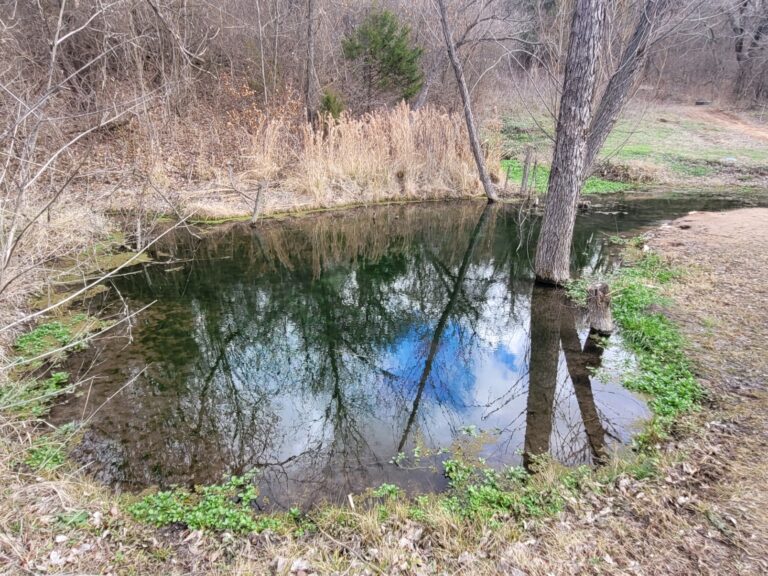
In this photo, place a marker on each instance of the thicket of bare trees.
(122, 103)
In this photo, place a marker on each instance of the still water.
(335, 353)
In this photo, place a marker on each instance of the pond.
(335, 353)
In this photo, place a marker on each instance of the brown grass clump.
(389, 154)
(394, 153)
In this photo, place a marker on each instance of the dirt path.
(726, 321)
(731, 121)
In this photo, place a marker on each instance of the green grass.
(49, 451)
(34, 380)
(476, 493)
(225, 507)
(48, 337)
(664, 138)
(664, 372)
(540, 179)
(45, 337)
(480, 492)
(31, 397)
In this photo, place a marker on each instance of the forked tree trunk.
(474, 141)
(568, 164)
(624, 79)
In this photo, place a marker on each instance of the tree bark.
(569, 161)
(599, 305)
(474, 141)
(624, 79)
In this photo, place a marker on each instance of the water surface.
(335, 353)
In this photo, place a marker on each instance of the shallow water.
(339, 352)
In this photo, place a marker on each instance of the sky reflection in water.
(316, 351)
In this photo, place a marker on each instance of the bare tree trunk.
(309, 96)
(261, 53)
(526, 170)
(624, 79)
(568, 164)
(474, 141)
(257, 203)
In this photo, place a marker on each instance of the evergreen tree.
(390, 61)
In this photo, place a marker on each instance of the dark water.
(316, 351)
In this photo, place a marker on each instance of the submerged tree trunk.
(568, 164)
(474, 141)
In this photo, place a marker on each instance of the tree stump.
(599, 306)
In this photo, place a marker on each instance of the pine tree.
(390, 61)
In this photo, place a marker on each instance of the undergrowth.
(663, 371)
(540, 178)
(31, 378)
(229, 506)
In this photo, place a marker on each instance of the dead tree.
(251, 195)
(599, 306)
(474, 141)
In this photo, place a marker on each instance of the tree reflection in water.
(315, 352)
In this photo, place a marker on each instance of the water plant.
(228, 506)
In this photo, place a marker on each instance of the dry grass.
(390, 154)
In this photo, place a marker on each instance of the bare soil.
(732, 122)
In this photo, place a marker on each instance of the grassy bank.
(383, 530)
(655, 145)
